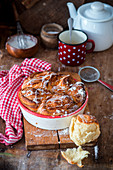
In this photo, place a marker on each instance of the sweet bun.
(75, 156)
(84, 129)
(52, 94)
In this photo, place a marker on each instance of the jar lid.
(96, 11)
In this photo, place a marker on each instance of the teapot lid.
(96, 11)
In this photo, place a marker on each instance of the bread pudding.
(52, 94)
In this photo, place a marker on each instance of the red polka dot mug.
(73, 53)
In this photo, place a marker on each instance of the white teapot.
(96, 19)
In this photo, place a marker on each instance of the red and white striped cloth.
(10, 111)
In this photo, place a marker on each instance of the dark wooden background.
(33, 14)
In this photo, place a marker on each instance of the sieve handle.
(110, 87)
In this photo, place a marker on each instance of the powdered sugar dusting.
(109, 116)
(64, 132)
(53, 94)
(87, 112)
(39, 133)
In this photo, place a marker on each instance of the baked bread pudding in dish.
(52, 94)
(84, 129)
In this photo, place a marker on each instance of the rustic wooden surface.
(100, 104)
(39, 139)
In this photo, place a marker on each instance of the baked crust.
(52, 94)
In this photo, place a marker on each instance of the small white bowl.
(50, 122)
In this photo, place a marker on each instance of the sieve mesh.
(89, 74)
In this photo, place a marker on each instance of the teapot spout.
(72, 11)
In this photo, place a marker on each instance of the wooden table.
(100, 104)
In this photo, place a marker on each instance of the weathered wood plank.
(39, 139)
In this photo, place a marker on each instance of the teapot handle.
(93, 46)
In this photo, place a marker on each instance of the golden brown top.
(86, 119)
(52, 94)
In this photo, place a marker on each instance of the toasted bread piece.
(75, 156)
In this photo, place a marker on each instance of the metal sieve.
(91, 74)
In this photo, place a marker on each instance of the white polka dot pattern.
(72, 55)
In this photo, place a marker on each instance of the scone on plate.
(84, 129)
(75, 156)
